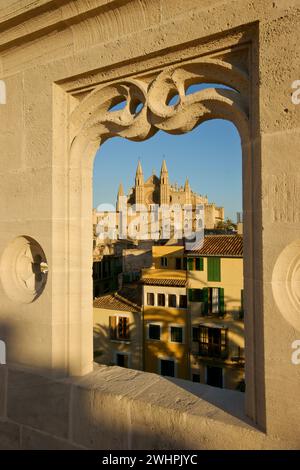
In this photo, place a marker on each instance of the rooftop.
(127, 300)
(219, 245)
(152, 281)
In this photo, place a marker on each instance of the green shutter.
(221, 301)
(217, 269)
(210, 271)
(190, 264)
(191, 295)
(214, 269)
(199, 264)
(205, 300)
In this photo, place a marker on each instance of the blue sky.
(210, 156)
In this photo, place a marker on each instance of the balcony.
(213, 350)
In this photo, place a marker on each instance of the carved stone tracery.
(93, 119)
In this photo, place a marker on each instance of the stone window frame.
(150, 295)
(117, 338)
(176, 325)
(82, 123)
(156, 323)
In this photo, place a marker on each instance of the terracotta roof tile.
(152, 281)
(220, 245)
(116, 302)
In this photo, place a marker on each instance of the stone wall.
(115, 408)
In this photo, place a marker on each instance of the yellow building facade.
(193, 312)
(117, 330)
(215, 303)
(166, 332)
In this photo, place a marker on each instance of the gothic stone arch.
(92, 122)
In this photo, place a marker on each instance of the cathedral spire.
(121, 190)
(139, 171)
(139, 185)
(187, 185)
(120, 194)
(187, 190)
(164, 184)
(163, 168)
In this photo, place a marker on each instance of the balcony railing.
(213, 350)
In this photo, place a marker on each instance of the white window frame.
(176, 300)
(117, 340)
(154, 323)
(166, 299)
(176, 325)
(150, 305)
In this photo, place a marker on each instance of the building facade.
(118, 329)
(193, 312)
(166, 335)
(106, 274)
(215, 303)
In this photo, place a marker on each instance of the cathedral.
(152, 193)
(158, 190)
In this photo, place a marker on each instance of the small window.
(167, 368)
(195, 295)
(182, 301)
(161, 300)
(122, 360)
(154, 331)
(199, 264)
(150, 298)
(172, 300)
(213, 342)
(123, 328)
(196, 378)
(178, 263)
(164, 262)
(119, 328)
(214, 303)
(176, 334)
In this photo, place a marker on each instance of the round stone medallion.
(286, 283)
(23, 270)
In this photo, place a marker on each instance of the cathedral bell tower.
(188, 193)
(164, 197)
(120, 195)
(139, 185)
